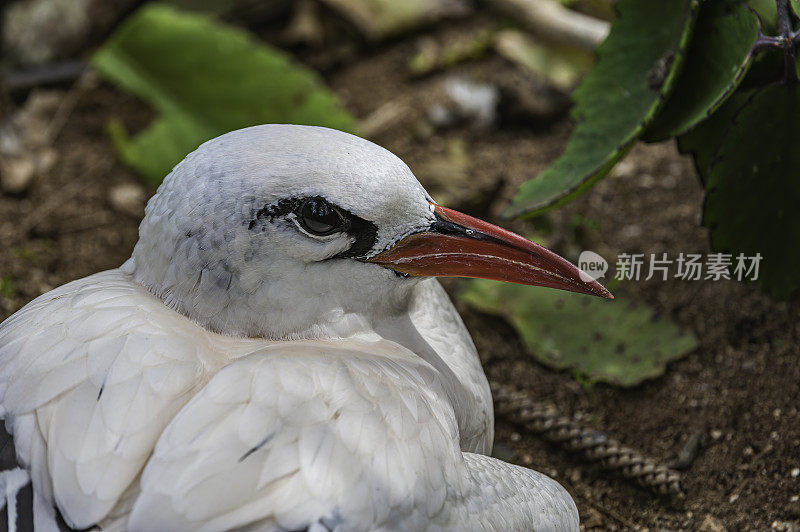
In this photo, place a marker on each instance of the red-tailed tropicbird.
(275, 355)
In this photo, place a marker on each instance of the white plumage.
(242, 372)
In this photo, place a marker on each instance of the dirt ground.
(739, 390)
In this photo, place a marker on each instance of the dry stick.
(69, 191)
(553, 21)
(32, 219)
(612, 514)
(596, 446)
(86, 81)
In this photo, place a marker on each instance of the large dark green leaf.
(205, 79)
(618, 341)
(636, 68)
(753, 185)
(716, 62)
(704, 141)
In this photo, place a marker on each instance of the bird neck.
(268, 302)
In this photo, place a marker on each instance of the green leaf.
(205, 79)
(796, 7)
(704, 141)
(752, 187)
(636, 68)
(619, 342)
(767, 12)
(716, 62)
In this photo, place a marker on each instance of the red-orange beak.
(457, 245)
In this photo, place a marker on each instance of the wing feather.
(92, 372)
(325, 432)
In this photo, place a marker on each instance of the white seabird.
(276, 356)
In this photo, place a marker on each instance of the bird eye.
(319, 217)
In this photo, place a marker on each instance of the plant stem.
(787, 37)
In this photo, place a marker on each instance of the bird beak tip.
(458, 245)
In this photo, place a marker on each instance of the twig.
(48, 74)
(87, 80)
(613, 514)
(785, 33)
(552, 21)
(32, 219)
(688, 452)
(786, 40)
(596, 446)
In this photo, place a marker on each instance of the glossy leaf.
(636, 68)
(204, 79)
(717, 60)
(620, 342)
(704, 141)
(752, 187)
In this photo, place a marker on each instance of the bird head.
(286, 231)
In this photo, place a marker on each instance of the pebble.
(711, 524)
(18, 171)
(16, 174)
(474, 103)
(795, 472)
(128, 198)
(785, 526)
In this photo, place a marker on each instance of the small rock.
(785, 526)
(128, 198)
(631, 231)
(45, 160)
(468, 102)
(712, 524)
(795, 472)
(733, 498)
(716, 434)
(625, 168)
(43, 30)
(16, 174)
(591, 519)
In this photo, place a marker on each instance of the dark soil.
(740, 389)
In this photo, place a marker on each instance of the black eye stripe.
(364, 232)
